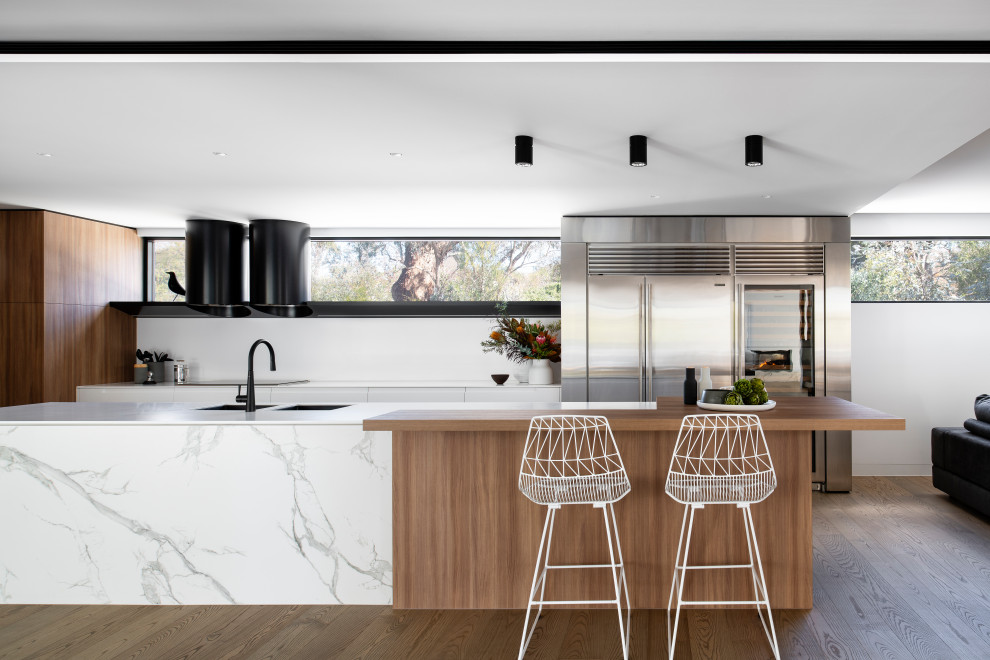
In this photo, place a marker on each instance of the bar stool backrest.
(571, 459)
(721, 459)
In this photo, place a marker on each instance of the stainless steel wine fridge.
(644, 297)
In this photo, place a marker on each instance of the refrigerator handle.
(642, 339)
(648, 312)
(739, 352)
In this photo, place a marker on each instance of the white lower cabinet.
(512, 394)
(301, 394)
(137, 394)
(205, 394)
(411, 394)
(319, 395)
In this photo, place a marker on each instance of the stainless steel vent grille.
(659, 260)
(780, 259)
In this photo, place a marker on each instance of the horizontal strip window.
(433, 273)
(920, 270)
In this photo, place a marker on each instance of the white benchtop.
(328, 383)
(107, 413)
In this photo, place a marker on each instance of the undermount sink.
(315, 406)
(233, 406)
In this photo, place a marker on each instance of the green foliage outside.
(449, 270)
(166, 256)
(920, 270)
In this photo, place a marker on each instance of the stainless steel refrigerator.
(644, 298)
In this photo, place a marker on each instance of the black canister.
(690, 387)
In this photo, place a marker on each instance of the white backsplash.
(341, 349)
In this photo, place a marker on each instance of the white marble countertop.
(332, 383)
(139, 414)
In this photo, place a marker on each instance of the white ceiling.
(132, 142)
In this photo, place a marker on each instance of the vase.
(157, 371)
(540, 372)
(520, 371)
(705, 383)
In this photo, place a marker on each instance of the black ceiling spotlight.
(524, 151)
(637, 150)
(754, 150)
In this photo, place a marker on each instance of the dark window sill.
(171, 310)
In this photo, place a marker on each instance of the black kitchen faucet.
(248, 398)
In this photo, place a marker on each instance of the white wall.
(392, 349)
(925, 362)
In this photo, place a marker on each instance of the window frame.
(368, 309)
(912, 238)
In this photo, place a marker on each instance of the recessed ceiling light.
(44, 155)
(220, 154)
(395, 154)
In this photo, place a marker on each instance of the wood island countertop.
(791, 414)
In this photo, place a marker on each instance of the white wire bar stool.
(720, 459)
(573, 459)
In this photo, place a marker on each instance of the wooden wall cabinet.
(57, 274)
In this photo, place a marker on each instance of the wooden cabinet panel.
(463, 535)
(21, 256)
(75, 260)
(22, 330)
(68, 269)
(123, 267)
(120, 340)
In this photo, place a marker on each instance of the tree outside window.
(920, 270)
(438, 270)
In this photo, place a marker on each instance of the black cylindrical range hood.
(280, 276)
(215, 267)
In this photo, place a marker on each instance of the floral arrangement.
(520, 340)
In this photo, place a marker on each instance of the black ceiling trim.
(489, 47)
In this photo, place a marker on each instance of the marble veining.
(195, 514)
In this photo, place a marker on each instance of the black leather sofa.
(961, 458)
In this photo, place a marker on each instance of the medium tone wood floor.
(900, 572)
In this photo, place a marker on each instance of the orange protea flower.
(519, 328)
(497, 336)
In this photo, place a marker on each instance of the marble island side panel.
(195, 514)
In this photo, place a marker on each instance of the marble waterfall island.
(163, 504)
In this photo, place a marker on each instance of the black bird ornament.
(174, 286)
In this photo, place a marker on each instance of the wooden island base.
(465, 537)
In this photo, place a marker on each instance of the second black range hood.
(280, 275)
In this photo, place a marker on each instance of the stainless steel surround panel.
(715, 229)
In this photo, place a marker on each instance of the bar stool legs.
(755, 567)
(539, 578)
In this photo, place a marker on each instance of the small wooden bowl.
(500, 378)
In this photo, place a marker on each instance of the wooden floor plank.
(945, 596)
(180, 630)
(120, 633)
(900, 571)
(308, 626)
